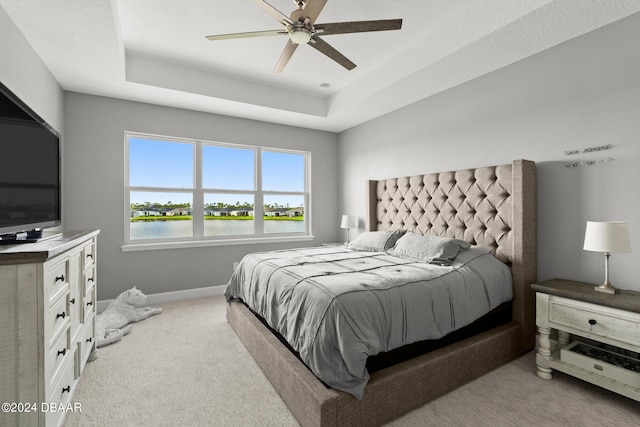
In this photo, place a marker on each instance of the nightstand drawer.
(594, 321)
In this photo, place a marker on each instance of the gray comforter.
(337, 307)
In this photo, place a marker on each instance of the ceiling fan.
(300, 27)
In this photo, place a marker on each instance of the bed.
(491, 208)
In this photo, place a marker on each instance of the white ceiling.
(155, 51)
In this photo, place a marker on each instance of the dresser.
(47, 332)
(590, 335)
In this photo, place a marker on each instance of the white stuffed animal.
(114, 322)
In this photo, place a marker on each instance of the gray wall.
(583, 93)
(94, 188)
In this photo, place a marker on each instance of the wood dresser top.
(625, 300)
(25, 253)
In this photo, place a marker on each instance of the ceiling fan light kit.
(300, 29)
(300, 34)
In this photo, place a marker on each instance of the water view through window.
(164, 192)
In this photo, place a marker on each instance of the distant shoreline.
(211, 217)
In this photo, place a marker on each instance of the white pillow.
(429, 249)
(375, 241)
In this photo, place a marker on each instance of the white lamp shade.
(348, 221)
(610, 236)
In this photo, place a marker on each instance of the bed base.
(391, 392)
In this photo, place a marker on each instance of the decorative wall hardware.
(587, 162)
(588, 150)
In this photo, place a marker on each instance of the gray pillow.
(375, 241)
(429, 249)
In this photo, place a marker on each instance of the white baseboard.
(153, 299)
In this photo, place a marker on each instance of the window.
(181, 190)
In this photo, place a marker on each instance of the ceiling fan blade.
(358, 26)
(324, 47)
(280, 17)
(247, 35)
(289, 48)
(313, 9)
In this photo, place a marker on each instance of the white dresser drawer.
(56, 355)
(594, 320)
(86, 340)
(89, 303)
(89, 278)
(58, 318)
(88, 254)
(61, 391)
(56, 277)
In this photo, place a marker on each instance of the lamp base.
(607, 289)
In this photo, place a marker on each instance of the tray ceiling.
(155, 51)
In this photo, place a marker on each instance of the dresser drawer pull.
(89, 339)
(66, 389)
(62, 315)
(72, 300)
(62, 352)
(60, 278)
(90, 303)
(89, 255)
(90, 279)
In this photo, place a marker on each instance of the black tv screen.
(29, 168)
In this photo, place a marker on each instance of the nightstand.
(589, 335)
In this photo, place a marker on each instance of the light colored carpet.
(187, 367)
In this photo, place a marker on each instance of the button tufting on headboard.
(473, 204)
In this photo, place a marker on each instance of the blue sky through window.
(154, 163)
(170, 164)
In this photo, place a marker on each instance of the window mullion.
(198, 194)
(259, 196)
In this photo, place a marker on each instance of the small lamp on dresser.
(348, 222)
(607, 237)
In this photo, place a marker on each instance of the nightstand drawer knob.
(592, 322)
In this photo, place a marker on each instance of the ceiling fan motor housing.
(299, 34)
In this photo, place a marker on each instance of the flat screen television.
(30, 185)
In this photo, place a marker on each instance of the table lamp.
(607, 237)
(348, 222)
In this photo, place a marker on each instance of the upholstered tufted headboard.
(493, 207)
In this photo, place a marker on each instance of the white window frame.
(198, 192)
